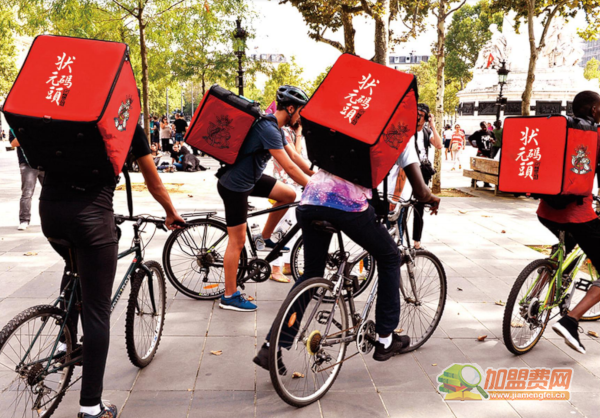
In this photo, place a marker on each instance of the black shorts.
(447, 143)
(236, 203)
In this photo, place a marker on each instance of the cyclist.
(346, 206)
(245, 178)
(582, 226)
(80, 210)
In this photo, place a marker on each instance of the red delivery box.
(74, 105)
(360, 119)
(548, 155)
(221, 124)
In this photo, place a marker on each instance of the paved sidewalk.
(481, 241)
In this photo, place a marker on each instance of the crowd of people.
(79, 210)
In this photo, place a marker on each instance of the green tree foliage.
(592, 69)
(467, 33)
(425, 73)
(311, 87)
(285, 73)
(8, 68)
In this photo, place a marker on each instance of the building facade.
(591, 49)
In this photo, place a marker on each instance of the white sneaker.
(23, 226)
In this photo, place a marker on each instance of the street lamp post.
(455, 113)
(502, 79)
(240, 51)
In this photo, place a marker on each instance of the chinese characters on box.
(529, 154)
(359, 100)
(61, 80)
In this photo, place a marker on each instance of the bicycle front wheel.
(145, 316)
(423, 290)
(193, 259)
(33, 380)
(526, 313)
(363, 263)
(308, 334)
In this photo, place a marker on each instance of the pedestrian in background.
(497, 138)
(29, 176)
(165, 134)
(458, 145)
(180, 128)
(447, 140)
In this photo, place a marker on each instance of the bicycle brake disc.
(365, 337)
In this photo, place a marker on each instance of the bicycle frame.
(73, 289)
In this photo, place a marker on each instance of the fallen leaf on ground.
(481, 337)
(399, 330)
(250, 298)
(593, 333)
(29, 253)
(485, 216)
(462, 211)
(500, 303)
(190, 195)
(434, 364)
(297, 375)
(503, 231)
(458, 288)
(516, 324)
(216, 353)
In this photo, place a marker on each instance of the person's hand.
(174, 217)
(431, 119)
(434, 205)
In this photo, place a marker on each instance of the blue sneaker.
(237, 302)
(271, 244)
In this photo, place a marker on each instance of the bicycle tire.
(280, 388)
(189, 286)
(509, 321)
(142, 350)
(415, 340)
(15, 325)
(368, 266)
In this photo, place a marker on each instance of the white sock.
(386, 341)
(91, 410)
(61, 347)
(268, 344)
(227, 297)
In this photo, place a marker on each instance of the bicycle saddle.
(60, 242)
(325, 226)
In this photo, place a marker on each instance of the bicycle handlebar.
(140, 219)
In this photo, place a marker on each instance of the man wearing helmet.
(245, 178)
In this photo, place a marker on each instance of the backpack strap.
(128, 187)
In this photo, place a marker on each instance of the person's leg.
(237, 239)
(458, 155)
(275, 190)
(28, 179)
(418, 224)
(178, 166)
(97, 268)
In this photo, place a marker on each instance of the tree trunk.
(526, 97)
(145, 83)
(349, 33)
(203, 83)
(439, 97)
(382, 32)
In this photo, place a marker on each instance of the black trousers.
(362, 228)
(91, 230)
(586, 234)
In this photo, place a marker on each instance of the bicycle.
(193, 256)
(29, 342)
(542, 286)
(318, 321)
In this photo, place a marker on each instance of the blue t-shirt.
(254, 155)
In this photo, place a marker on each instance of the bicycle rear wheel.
(32, 382)
(423, 292)
(193, 259)
(308, 361)
(524, 319)
(593, 314)
(145, 316)
(363, 267)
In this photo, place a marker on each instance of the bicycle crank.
(365, 337)
(260, 271)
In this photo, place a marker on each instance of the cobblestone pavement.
(481, 241)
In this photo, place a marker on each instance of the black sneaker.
(108, 411)
(399, 343)
(262, 360)
(568, 328)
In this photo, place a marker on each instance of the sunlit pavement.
(481, 241)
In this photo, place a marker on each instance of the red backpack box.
(74, 105)
(360, 119)
(221, 124)
(548, 156)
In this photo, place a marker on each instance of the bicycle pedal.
(583, 284)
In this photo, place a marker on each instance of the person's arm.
(420, 189)
(293, 170)
(298, 160)
(435, 139)
(157, 190)
(15, 143)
